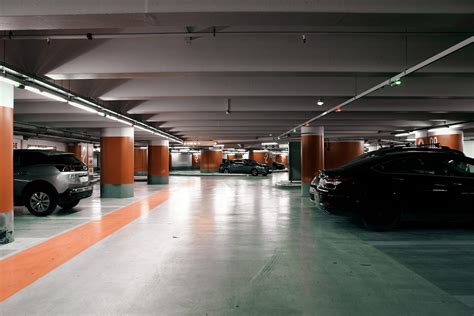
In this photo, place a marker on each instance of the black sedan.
(246, 166)
(387, 186)
(278, 166)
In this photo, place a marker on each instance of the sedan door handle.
(438, 187)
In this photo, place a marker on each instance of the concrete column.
(338, 153)
(263, 157)
(6, 165)
(421, 138)
(158, 162)
(312, 155)
(448, 137)
(116, 163)
(210, 160)
(85, 153)
(196, 161)
(140, 161)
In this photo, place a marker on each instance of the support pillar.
(116, 180)
(158, 162)
(312, 155)
(263, 157)
(196, 164)
(448, 137)
(338, 153)
(6, 165)
(210, 160)
(421, 138)
(140, 159)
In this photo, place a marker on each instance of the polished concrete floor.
(243, 246)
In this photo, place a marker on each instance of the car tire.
(264, 174)
(41, 202)
(226, 170)
(381, 218)
(67, 205)
(254, 172)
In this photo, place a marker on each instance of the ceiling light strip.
(417, 67)
(19, 79)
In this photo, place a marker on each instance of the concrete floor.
(242, 246)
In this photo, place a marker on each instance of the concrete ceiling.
(180, 65)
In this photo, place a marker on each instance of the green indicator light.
(396, 83)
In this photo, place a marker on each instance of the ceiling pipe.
(185, 34)
(387, 82)
(42, 86)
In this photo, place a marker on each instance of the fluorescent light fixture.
(402, 134)
(82, 107)
(269, 144)
(438, 129)
(9, 81)
(53, 96)
(33, 89)
(113, 118)
(456, 126)
(320, 102)
(143, 129)
(411, 139)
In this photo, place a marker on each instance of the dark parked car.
(401, 183)
(44, 179)
(245, 166)
(278, 166)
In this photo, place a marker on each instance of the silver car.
(45, 179)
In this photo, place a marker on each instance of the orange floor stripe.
(24, 268)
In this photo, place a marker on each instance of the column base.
(6, 227)
(116, 190)
(158, 179)
(305, 189)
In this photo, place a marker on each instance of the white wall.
(469, 148)
(21, 143)
(181, 160)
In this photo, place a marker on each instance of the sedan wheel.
(381, 218)
(254, 172)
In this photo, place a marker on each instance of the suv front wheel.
(41, 202)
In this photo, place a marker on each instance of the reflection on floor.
(243, 246)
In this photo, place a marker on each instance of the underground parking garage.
(170, 157)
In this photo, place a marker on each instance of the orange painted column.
(85, 153)
(6, 165)
(421, 138)
(196, 163)
(312, 155)
(116, 180)
(140, 160)
(448, 137)
(263, 157)
(158, 162)
(338, 153)
(210, 160)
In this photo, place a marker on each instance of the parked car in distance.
(387, 186)
(245, 166)
(278, 166)
(44, 179)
